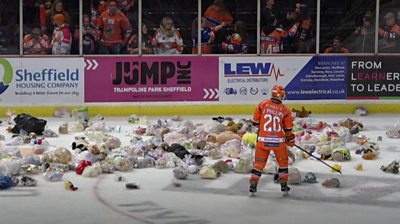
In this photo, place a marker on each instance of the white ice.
(103, 200)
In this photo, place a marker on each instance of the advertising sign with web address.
(250, 79)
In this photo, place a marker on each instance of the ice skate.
(253, 188)
(285, 189)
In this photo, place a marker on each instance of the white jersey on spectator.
(168, 44)
(61, 42)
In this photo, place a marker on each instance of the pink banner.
(151, 79)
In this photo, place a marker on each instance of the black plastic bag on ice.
(29, 124)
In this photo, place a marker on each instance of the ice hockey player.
(274, 122)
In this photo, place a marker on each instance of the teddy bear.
(69, 186)
(294, 176)
(361, 111)
(215, 128)
(81, 115)
(344, 134)
(371, 155)
(173, 137)
(63, 129)
(59, 155)
(323, 152)
(312, 124)
(82, 166)
(39, 145)
(221, 166)
(180, 172)
(308, 138)
(80, 145)
(393, 167)
(247, 126)
(341, 154)
(122, 164)
(394, 132)
(76, 127)
(215, 153)
(301, 113)
(231, 148)
(92, 171)
(222, 137)
(233, 127)
(244, 166)
(113, 142)
(207, 172)
(331, 183)
(353, 125)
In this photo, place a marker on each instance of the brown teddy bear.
(223, 137)
(234, 127)
(301, 113)
(352, 125)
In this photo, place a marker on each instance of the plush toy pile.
(209, 150)
(333, 142)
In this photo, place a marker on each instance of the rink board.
(120, 86)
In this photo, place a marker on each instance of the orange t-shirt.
(114, 28)
(218, 16)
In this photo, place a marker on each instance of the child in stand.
(133, 42)
(236, 43)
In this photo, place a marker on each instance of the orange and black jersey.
(274, 121)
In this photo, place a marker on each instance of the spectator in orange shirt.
(217, 13)
(44, 15)
(337, 46)
(36, 43)
(207, 36)
(97, 8)
(273, 37)
(115, 30)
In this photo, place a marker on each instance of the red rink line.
(108, 205)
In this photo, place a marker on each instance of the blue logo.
(230, 91)
(252, 69)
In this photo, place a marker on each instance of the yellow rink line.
(168, 110)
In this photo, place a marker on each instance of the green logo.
(7, 76)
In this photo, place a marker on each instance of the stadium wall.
(191, 85)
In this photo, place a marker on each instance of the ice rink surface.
(369, 196)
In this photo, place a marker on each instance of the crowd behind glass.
(172, 27)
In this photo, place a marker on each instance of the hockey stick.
(318, 159)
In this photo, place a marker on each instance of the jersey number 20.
(272, 123)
